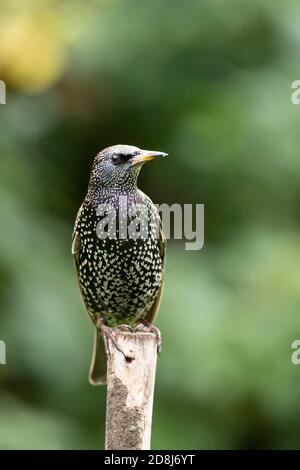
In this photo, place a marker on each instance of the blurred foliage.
(210, 83)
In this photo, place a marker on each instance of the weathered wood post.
(130, 388)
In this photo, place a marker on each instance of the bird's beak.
(146, 156)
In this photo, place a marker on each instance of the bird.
(120, 274)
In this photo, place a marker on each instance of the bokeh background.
(209, 82)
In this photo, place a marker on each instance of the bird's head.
(119, 166)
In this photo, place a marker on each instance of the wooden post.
(130, 388)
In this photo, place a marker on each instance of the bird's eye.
(115, 159)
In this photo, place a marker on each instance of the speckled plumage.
(120, 279)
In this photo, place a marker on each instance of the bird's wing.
(97, 373)
(154, 309)
(76, 247)
(76, 243)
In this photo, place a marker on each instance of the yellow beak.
(146, 156)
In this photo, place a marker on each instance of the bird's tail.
(98, 367)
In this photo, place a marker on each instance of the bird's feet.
(147, 327)
(124, 327)
(109, 332)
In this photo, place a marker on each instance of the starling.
(120, 275)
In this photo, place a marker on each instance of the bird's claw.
(147, 327)
(124, 327)
(109, 332)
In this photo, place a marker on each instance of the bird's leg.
(108, 333)
(147, 327)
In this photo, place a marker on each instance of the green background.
(209, 82)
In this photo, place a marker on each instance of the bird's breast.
(120, 271)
